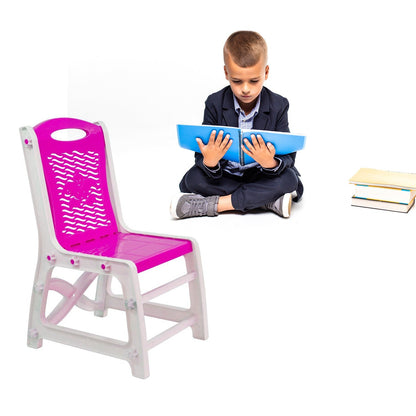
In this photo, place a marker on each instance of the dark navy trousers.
(252, 190)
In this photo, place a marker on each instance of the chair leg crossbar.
(73, 295)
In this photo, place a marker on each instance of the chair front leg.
(38, 303)
(138, 348)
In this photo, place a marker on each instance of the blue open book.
(283, 142)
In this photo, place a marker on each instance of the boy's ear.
(225, 71)
(266, 72)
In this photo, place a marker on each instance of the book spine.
(242, 163)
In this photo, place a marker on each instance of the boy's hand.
(215, 149)
(263, 153)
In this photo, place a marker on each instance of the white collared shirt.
(245, 121)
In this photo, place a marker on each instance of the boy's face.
(246, 83)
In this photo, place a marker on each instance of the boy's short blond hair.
(246, 48)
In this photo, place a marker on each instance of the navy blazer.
(272, 115)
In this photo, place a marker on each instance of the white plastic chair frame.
(136, 305)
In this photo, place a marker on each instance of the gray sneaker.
(281, 206)
(193, 205)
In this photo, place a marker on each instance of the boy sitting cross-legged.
(214, 184)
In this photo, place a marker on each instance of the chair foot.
(101, 313)
(200, 331)
(139, 368)
(33, 340)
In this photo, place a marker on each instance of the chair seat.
(145, 251)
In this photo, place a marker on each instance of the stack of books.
(380, 189)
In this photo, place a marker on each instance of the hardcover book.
(384, 193)
(384, 205)
(376, 177)
(284, 143)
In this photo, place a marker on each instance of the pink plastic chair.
(80, 228)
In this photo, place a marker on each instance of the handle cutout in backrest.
(68, 135)
(62, 130)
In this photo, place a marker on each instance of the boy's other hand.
(263, 153)
(215, 149)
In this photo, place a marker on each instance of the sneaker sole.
(287, 206)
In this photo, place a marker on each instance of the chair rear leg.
(103, 288)
(197, 295)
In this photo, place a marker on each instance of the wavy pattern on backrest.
(76, 179)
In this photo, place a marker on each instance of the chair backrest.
(76, 178)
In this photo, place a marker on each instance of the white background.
(314, 315)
